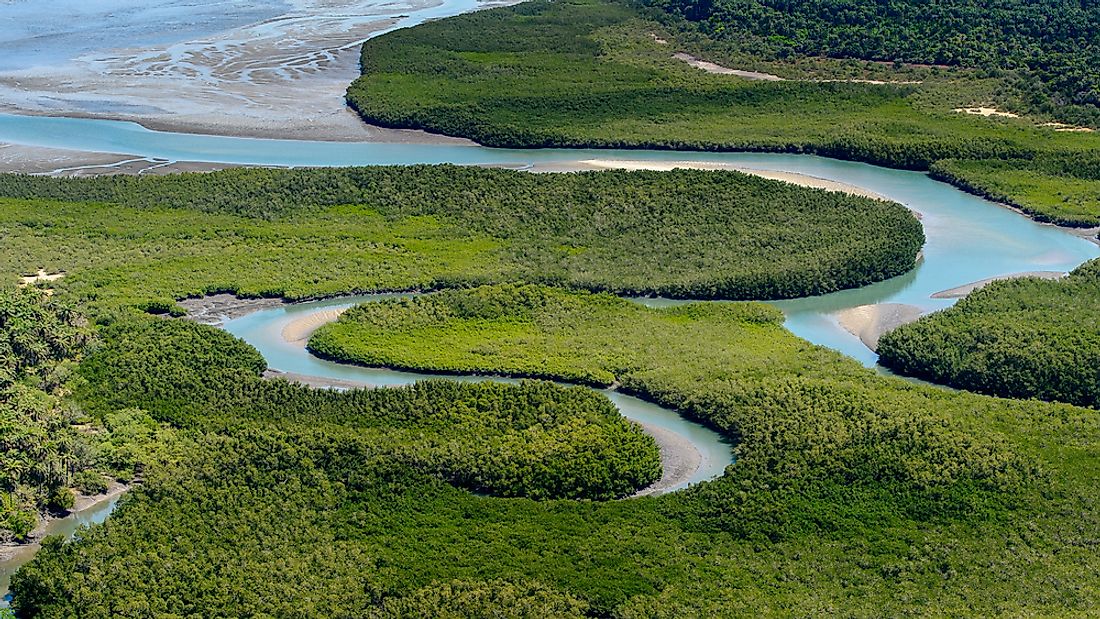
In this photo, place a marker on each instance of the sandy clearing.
(961, 291)
(718, 69)
(297, 331)
(870, 322)
(41, 276)
(794, 178)
(985, 111)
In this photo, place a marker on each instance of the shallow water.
(38, 35)
(67, 527)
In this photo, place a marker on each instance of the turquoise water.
(968, 238)
(263, 330)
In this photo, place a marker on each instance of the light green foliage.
(1024, 338)
(1057, 189)
(306, 233)
(589, 73)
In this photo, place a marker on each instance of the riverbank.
(48, 524)
(794, 178)
(681, 460)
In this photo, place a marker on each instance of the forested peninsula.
(1023, 338)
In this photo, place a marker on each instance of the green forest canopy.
(591, 73)
(1054, 45)
(151, 241)
(851, 490)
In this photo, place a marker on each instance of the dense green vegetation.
(852, 492)
(523, 330)
(591, 73)
(1058, 189)
(255, 232)
(536, 440)
(48, 448)
(1023, 338)
(1050, 47)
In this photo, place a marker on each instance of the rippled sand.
(281, 77)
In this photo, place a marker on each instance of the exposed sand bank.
(961, 291)
(804, 180)
(679, 460)
(870, 322)
(23, 159)
(297, 331)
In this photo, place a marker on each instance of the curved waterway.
(969, 238)
(263, 329)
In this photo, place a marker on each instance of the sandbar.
(871, 322)
(959, 292)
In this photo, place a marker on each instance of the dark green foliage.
(849, 487)
(39, 450)
(90, 483)
(588, 73)
(535, 440)
(683, 233)
(1055, 42)
(1024, 338)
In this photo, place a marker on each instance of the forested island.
(1024, 338)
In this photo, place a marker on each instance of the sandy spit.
(297, 331)
(961, 291)
(794, 178)
(870, 322)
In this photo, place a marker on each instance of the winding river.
(969, 239)
(263, 329)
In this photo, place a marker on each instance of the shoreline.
(14, 550)
(794, 178)
(959, 292)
